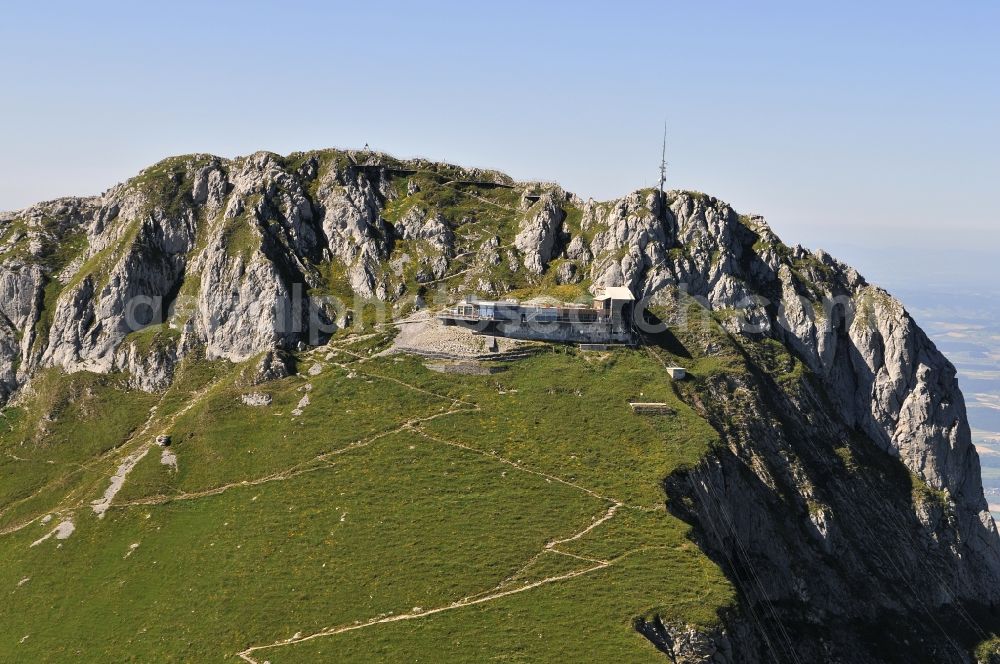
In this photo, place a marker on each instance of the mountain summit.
(815, 495)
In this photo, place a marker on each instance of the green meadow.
(374, 511)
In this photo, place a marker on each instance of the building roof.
(616, 293)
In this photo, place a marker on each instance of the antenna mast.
(663, 161)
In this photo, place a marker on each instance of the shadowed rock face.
(824, 535)
(224, 252)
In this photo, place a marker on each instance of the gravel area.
(422, 332)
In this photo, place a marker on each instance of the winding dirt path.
(71, 502)
(318, 462)
(323, 461)
(472, 600)
(499, 591)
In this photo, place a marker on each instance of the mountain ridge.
(263, 255)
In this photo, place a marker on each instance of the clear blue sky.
(876, 122)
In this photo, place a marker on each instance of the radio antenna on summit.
(663, 161)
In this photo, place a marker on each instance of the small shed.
(649, 408)
(677, 373)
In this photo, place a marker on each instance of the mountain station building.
(608, 320)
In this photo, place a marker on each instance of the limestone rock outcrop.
(539, 234)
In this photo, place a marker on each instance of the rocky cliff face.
(846, 491)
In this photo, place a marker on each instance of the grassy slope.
(50, 447)
(329, 532)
